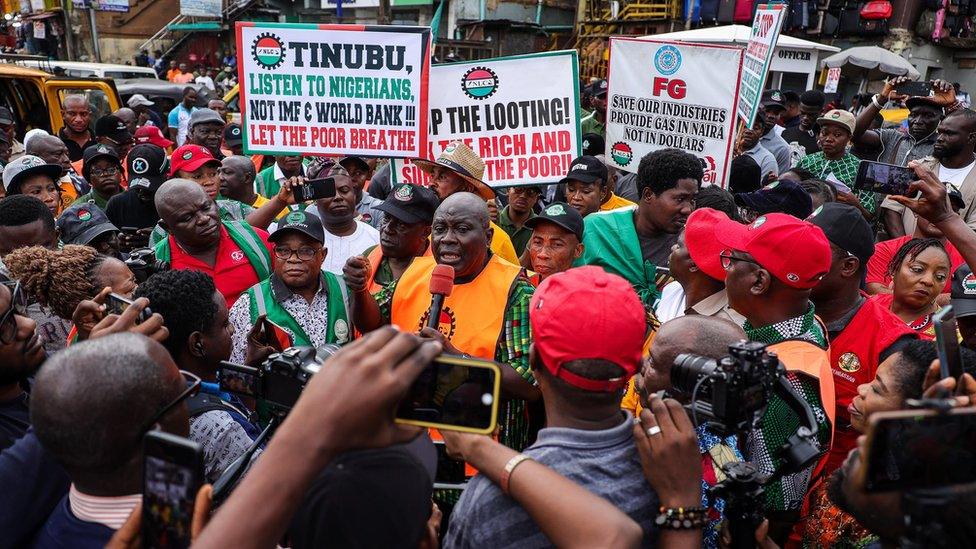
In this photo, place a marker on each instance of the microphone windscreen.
(442, 280)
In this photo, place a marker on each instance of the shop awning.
(205, 26)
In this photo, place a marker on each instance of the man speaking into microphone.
(486, 314)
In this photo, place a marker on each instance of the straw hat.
(460, 159)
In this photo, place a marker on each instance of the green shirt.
(512, 349)
(845, 170)
(590, 124)
(92, 198)
(520, 235)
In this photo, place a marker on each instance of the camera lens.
(688, 369)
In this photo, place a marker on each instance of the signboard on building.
(333, 89)
(520, 114)
(347, 4)
(111, 5)
(672, 95)
(201, 8)
(762, 41)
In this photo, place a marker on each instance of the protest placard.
(672, 95)
(762, 41)
(520, 114)
(333, 89)
(833, 79)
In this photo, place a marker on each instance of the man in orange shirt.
(236, 255)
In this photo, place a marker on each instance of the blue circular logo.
(667, 60)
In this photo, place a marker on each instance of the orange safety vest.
(472, 315)
(374, 258)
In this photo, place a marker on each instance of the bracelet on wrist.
(682, 518)
(955, 106)
(509, 468)
(875, 101)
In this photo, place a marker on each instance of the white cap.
(138, 100)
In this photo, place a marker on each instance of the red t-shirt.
(922, 325)
(232, 273)
(884, 251)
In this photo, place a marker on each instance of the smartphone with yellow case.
(454, 393)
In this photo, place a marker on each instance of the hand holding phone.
(172, 476)
(454, 393)
(884, 178)
(315, 189)
(914, 89)
(116, 304)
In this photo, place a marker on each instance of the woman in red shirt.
(919, 272)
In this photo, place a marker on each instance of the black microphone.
(441, 284)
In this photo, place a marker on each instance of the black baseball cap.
(562, 214)
(586, 169)
(846, 228)
(963, 292)
(925, 100)
(782, 196)
(773, 98)
(147, 166)
(112, 127)
(232, 135)
(302, 222)
(355, 160)
(82, 223)
(6, 117)
(593, 144)
(599, 87)
(95, 152)
(411, 204)
(813, 98)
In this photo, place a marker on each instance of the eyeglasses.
(18, 306)
(524, 191)
(192, 388)
(305, 253)
(728, 258)
(104, 173)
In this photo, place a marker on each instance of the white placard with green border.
(759, 52)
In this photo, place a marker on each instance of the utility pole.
(69, 40)
(383, 13)
(94, 33)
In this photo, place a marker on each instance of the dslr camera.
(143, 263)
(730, 394)
(280, 379)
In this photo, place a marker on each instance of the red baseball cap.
(588, 313)
(153, 135)
(190, 158)
(701, 243)
(796, 252)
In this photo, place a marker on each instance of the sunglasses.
(193, 383)
(18, 306)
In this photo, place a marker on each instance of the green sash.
(610, 241)
(262, 301)
(265, 183)
(246, 239)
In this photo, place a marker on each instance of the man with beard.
(475, 319)
(21, 353)
(206, 128)
(404, 234)
(103, 170)
(953, 164)
(236, 255)
(53, 151)
(76, 133)
(634, 243)
(345, 236)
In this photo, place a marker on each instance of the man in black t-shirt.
(147, 166)
(21, 353)
(802, 138)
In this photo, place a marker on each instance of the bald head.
(74, 100)
(702, 335)
(467, 205)
(242, 163)
(92, 400)
(176, 191)
(189, 214)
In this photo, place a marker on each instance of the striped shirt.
(107, 511)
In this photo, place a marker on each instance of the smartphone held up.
(172, 476)
(884, 178)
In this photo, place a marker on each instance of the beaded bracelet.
(682, 518)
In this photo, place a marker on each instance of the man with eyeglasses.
(234, 254)
(91, 405)
(771, 267)
(21, 353)
(206, 129)
(404, 235)
(862, 333)
(103, 170)
(111, 130)
(307, 303)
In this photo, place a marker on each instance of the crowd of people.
(585, 292)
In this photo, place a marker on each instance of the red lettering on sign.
(675, 89)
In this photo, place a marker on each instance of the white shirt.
(672, 304)
(341, 248)
(206, 81)
(955, 175)
(111, 512)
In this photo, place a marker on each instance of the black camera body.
(730, 394)
(280, 379)
(143, 263)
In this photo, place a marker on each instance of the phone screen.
(239, 379)
(454, 393)
(116, 304)
(172, 475)
(914, 89)
(947, 342)
(921, 450)
(314, 189)
(884, 178)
